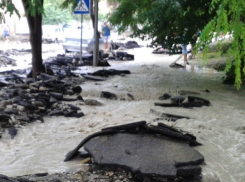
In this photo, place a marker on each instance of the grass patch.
(209, 55)
(215, 58)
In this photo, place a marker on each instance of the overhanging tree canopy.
(230, 18)
(156, 19)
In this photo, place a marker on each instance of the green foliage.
(101, 17)
(69, 3)
(54, 14)
(8, 7)
(156, 19)
(34, 7)
(67, 7)
(229, 18)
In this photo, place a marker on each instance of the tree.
(229, 18)
(34, 12)
(156, 19)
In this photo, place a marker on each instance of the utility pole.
(96, 38)
(81, 42)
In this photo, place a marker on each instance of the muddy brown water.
(41, 147)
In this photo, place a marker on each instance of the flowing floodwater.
(41, 147)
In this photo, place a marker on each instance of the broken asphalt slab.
(146, 154)
(144, 149)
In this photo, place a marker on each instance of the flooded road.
(41, 147)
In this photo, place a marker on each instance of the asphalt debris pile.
(154, 151)
(110, 72)
(75, 60)
(24, 100)
(5, 60)
(101, 75)
(17, 52)
(84, 173)
(5, 56)
(122, 46)
(167, 116)
(184, 101)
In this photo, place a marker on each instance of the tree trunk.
(92, 12)
(35, 28)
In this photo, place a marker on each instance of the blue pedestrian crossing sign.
(82, 7)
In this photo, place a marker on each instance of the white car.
(52, 33)
(73, 40)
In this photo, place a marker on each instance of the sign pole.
(82, 8)
(81, 43)
(96, 43)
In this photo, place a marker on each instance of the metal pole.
(81, 43)
(96, 44)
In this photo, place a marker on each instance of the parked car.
(73, 41)
(52, 33)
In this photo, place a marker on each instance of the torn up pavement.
(146, 150)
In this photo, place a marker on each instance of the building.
(19, 25)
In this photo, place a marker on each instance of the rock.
(23, 86)
(92, 102)
(185, 92)
(79, 97)
(199, 100)
(165, 96)
(130, 96)
(78, 168)
(4, 178)
(72, 107)
(28, 105)
(56, 113)
(110, 72)
(13, 132)
(10, 111)
(177, 99)
(95, 78)
(168, 117)
(56, 95)
(21, 108)
(77, 89)
(172, 133)
(129, 126)
(167, 104)
(108, 95)
(4, 103)
(187, 102)
(111, 173)
(38, 103)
